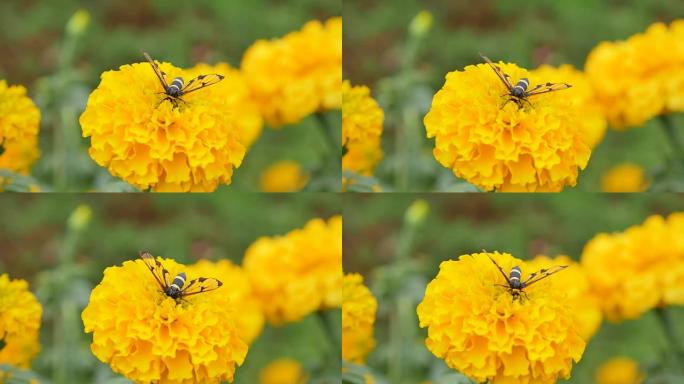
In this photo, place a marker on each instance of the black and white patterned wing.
(160, 274)
(202, 81)
(200, 285)
(542, 274)
(157, 71)
(504, 77)
(546, 88)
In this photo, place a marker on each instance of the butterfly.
(515, 286)
(177, 289)
(519, 93)
(178, 88)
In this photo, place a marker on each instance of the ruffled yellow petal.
(646, 265)
(298, 273)
(152, 145)
(641, 77)
(19, 126)
(20, 316)
(298, 74)
(478, 328)
(508, 149)
(358, 315)
(147, 336)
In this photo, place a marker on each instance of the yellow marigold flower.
(19, 126)
(147, 336)
(298, 273)
(298, 74)
(638, 269)
(283, 371)
(626, 177)
(619, 370)
(358, 316)
(20, 314)
(362, 120)
(641, 77)
(478, 329)
(507, 149)
(194, 147)
(575, 283)
(235, 93)
(249, 317)
(592, 123)
(284, 176)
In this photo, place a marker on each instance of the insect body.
(516, 286)
(178, 88)
(519, 93)
(177, 289)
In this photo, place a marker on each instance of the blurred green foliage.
(398, 255)
(405, 70)
(60, 70)
(63, 255)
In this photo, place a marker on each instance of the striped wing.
(202, 81)
(542, 274)
(200, 285)
(500, 269)
(504, 77)
(160, 274)
(157, 71)
(546, 88)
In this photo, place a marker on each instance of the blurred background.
(397, 243)
(404, 60)
(62, 244)
(60, 70)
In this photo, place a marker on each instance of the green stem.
(667, 323)
(669, 128)
(331, 330)
(330, 137)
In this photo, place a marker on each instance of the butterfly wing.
(504, 77)
(542, 274)
(500, 269)
(200, 285)
(157, 71)
(546, 88)
(160, 274)
(202, 81)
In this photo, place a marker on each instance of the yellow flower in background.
(477, 328)
(233, 90)
(284, 176)
(19, 126)
(619, 370)
(249, 317)
(575, 283)
(298, 74)
(20, 316)
(362, 120)
(358, 315)
(298, 273)
(283, 371)
(626, 177)
(194, 147)
(509, 149)
(641, 77)
(639, 269)
(149, 337)
(592, 123)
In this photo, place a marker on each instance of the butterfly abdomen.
(175, 87)
(175, 287)
(520, 87)
(514, 278)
